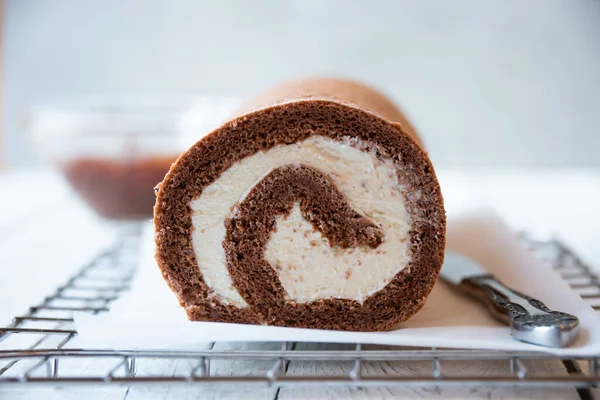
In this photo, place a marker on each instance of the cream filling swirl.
(308, 267)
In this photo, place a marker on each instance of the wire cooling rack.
(34, 349)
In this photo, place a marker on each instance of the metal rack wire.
(34, 349)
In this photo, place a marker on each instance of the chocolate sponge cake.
(316, 206)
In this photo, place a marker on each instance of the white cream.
(308, 267)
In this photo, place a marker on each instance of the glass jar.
(113, 156)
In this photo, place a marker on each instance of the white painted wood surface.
(46, 234)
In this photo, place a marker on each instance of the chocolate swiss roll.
(316, 206)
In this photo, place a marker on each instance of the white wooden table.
(46, 234)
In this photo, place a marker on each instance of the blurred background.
(487, 83)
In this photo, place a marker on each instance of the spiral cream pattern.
(310, 212)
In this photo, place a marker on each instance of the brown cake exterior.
(339, 111)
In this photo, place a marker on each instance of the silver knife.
(529, 319)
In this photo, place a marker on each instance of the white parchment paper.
(149, 315)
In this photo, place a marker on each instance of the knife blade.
(529, 319)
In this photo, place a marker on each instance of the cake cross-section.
(316, 206)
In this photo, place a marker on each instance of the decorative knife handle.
(530, 320)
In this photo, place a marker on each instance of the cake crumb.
(402, 239)
(348, 273)
(313, 243)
